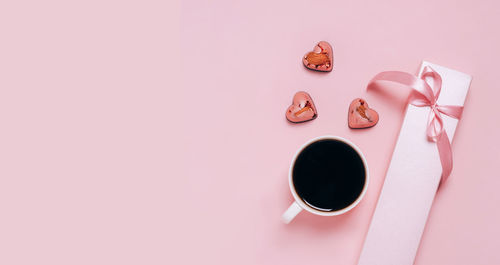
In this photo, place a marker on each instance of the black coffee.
(328, 175)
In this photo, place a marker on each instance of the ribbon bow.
(424, 95)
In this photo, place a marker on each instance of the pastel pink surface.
(111, 152)
(248, 53)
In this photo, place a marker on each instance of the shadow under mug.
(298, 205)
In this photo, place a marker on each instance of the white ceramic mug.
(298, 205)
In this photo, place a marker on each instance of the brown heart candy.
(360, 115)
(302, 108)
(320, 59)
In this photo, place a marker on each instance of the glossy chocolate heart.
(360, 115)
(302, 108)
(320, 59)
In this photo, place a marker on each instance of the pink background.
(154, 133)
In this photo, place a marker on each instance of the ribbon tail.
(445, 155)
(452, 111)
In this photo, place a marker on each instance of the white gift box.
(412, 180)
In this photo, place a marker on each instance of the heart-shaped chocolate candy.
(360, 115)
(302, 108)
(320, 59)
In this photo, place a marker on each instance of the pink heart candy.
(320, 59)
(302, 108)
(360, 115)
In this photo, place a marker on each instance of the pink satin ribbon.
(424, 95)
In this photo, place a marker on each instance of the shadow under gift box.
(412, 179)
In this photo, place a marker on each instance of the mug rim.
(308, 208)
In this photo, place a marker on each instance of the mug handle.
(291, 212)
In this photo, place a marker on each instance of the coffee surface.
(328, 175)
